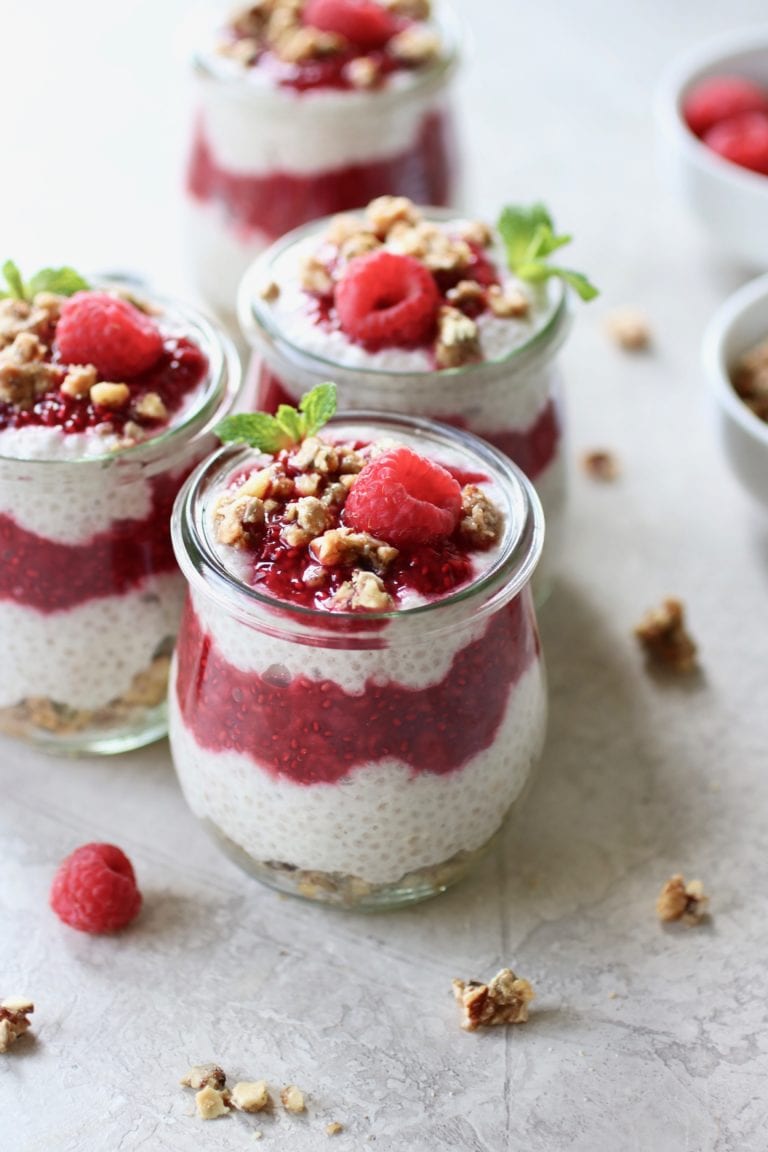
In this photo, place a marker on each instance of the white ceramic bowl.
(731, 202)
(738, 325)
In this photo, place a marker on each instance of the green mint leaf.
(291, 423)
(256, 429)
(529, 237)
(62, 281)
(318, 406)
(14, 281)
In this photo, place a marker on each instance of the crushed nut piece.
(204, 1076)
(270, 291)
(315, 277)
(476, 232)
(504, 1001)
(385, 211)
(666, 642)
(359, 244)
(412, 9)
(343, 546)
(79, 380)
(14, 1013)
(297, 44)
(342, 227)
(109, 395)
(211, 1103)
(680, 901)
(364, 590)
(311, 515)
(234, 515)
(250, 1096)
(600, 464)
(430, 244)
(481, 520)
(415, 45)
(151, 407)
(307, 483)
(292, 1098)
(628, 328)
(333, 1128)
(315, 455)
(508, 303)
(466, 292)
(750, 379)
(458, 340)
(363, 72)
(24, 374)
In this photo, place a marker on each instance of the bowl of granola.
(736, 362)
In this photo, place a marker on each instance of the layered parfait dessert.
(307, 107)
(106, 404)
(359, 693)
(427, 313)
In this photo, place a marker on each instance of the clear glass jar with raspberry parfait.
(307, 107)
(358, 696)
(418, 311)
(106, 404)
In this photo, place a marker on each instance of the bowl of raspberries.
(713, 112)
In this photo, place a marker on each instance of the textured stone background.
(642, 1039)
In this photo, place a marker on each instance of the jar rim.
(222, 385)
(505, 578)
(255, 321)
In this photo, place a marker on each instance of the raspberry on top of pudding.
(95, 368)
(397, 289)
(310, 44)
(363, 526)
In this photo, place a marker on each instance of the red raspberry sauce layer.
(532, 449)
(49, 576)
(314, 732)
(276, 203)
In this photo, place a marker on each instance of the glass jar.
(266, 156)
(360, 760)
(515, 403)
(90, 595)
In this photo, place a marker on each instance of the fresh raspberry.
(119, 339)
(404, 498)
(364, 23)
(94, 889)
(719, 99)
(743, 140)
(387, 300)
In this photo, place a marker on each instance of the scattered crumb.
(257, 1135)
(680, 901)
(504, 1001)
(14, 1022)
(333, 1128)
(613, 995)
(600, 464)
(292, 1098)
(629, 329)
(666, 642)
(203, 1076)
(251, 1096)
(211, 1103)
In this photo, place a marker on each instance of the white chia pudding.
(106, 405)
(359, 695)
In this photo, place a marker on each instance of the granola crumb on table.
(666, 642)
(14, 1019)
(679, 901)
(504, 1000)
(629, 329)
(600, 464)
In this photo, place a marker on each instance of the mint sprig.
(63, 281)
(289, 426)
(529, 237)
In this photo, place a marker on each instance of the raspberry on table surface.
(94, 890)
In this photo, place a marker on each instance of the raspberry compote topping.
(345, 44)
(95, 361)
(354, 526)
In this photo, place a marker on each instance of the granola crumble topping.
(680, 901)
(504, 1001)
